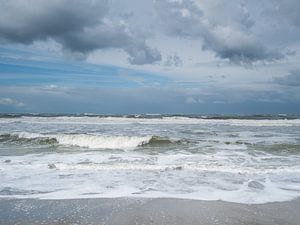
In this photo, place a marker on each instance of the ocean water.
(246, 159)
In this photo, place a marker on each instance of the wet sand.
(130, 211)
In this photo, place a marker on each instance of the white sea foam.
(204, 177)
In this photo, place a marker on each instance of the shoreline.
(130, 211)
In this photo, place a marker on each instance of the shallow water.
(242, 159)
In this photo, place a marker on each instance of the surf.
(89, 141)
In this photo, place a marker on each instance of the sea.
(250, 159)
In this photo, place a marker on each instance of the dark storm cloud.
(292, 79)
(223, 27)
(27, 20)
(80, 26)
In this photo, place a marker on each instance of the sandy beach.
(132, 211)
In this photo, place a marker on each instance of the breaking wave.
(87, 140)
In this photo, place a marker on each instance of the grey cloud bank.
(79, 26)
(225, 28)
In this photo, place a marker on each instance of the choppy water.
(237, 159)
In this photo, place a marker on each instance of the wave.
(158, 116)
(27, 138)
(94, 142)
(280, 148)
(151, 121)
(87, 140)
(158, 141)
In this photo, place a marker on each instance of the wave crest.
(110, 142)
(87, 140)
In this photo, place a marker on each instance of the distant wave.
(87, 140)
(158, 116)
(164, 120)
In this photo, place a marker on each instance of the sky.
(150, 56)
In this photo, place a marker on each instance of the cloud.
(238, 47)
(237, 31)
(292, 79)
(80, 27)
(192, 100)
(223, 27)
(290, 52)
(174, 60)
(287, 10)
(11, 102)
(179, 18)
(141, 54)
